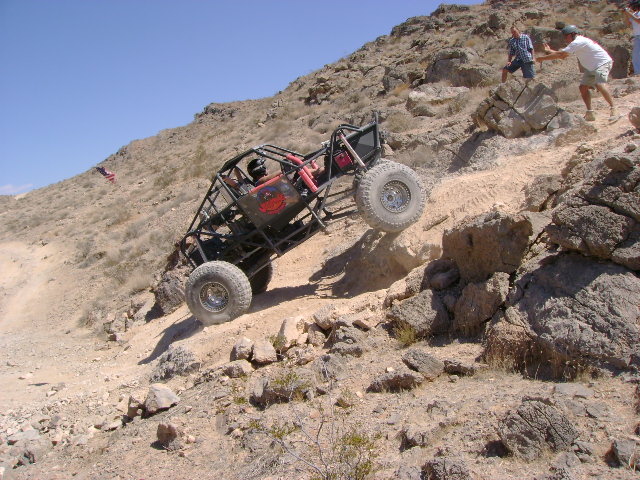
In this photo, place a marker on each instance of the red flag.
(107, 174)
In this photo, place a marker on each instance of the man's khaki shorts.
(599, 75)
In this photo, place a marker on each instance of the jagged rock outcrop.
(170, 291)
(462, 67)
(517, 108)
(571, 311)
(489, 243)
(600, 216)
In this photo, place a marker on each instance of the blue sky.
(81, 78)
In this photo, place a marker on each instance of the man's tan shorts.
(599, 75)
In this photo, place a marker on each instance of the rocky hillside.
(496, 338)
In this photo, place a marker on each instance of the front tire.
(390, 197)
(217, 292)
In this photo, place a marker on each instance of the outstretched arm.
(551, 54)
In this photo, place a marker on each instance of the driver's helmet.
(257, 168)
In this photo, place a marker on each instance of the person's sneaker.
(589, 116)
(613, 115)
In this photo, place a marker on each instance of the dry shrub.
(199, 165)
(401, 91)
(118, 216)
(138, 282)
(405, 334)
(399, 122)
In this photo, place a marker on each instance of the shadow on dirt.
(179, 330)
(275, 296)
(367, 265)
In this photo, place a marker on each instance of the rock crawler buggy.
(241, 225)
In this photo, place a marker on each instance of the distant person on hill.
(633, 15)
(519, 55)
(595, 63)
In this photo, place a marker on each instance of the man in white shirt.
(595, 64)
(633, 15)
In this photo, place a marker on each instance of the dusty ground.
(48, 364)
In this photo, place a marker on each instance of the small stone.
(290, 329)
(315, 336)
(169, 436)
(237, 369)
(160, 397)
(242, 349)
(325, 317)
(264, 353)
(423, 362)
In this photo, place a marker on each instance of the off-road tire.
(358, 176)
(217, 292)
(260, 281)
(390, 197)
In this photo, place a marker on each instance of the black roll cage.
(227, 225)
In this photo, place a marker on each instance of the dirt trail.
(37, 343)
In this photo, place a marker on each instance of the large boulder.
(568, 310)
(424, 313)
(479, 302)
(535, 427)
(169, 292)
(600, 215)
(489, 243)
(517, 108)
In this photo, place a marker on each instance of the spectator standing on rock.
(520, 55)
(595, 63)
(633, 15)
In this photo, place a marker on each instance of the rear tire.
(260, 281)
(390, 197)
(217, 292)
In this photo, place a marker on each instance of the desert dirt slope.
(82, 253)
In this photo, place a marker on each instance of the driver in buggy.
(258, 171)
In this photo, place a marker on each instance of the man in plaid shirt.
(520, 47)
